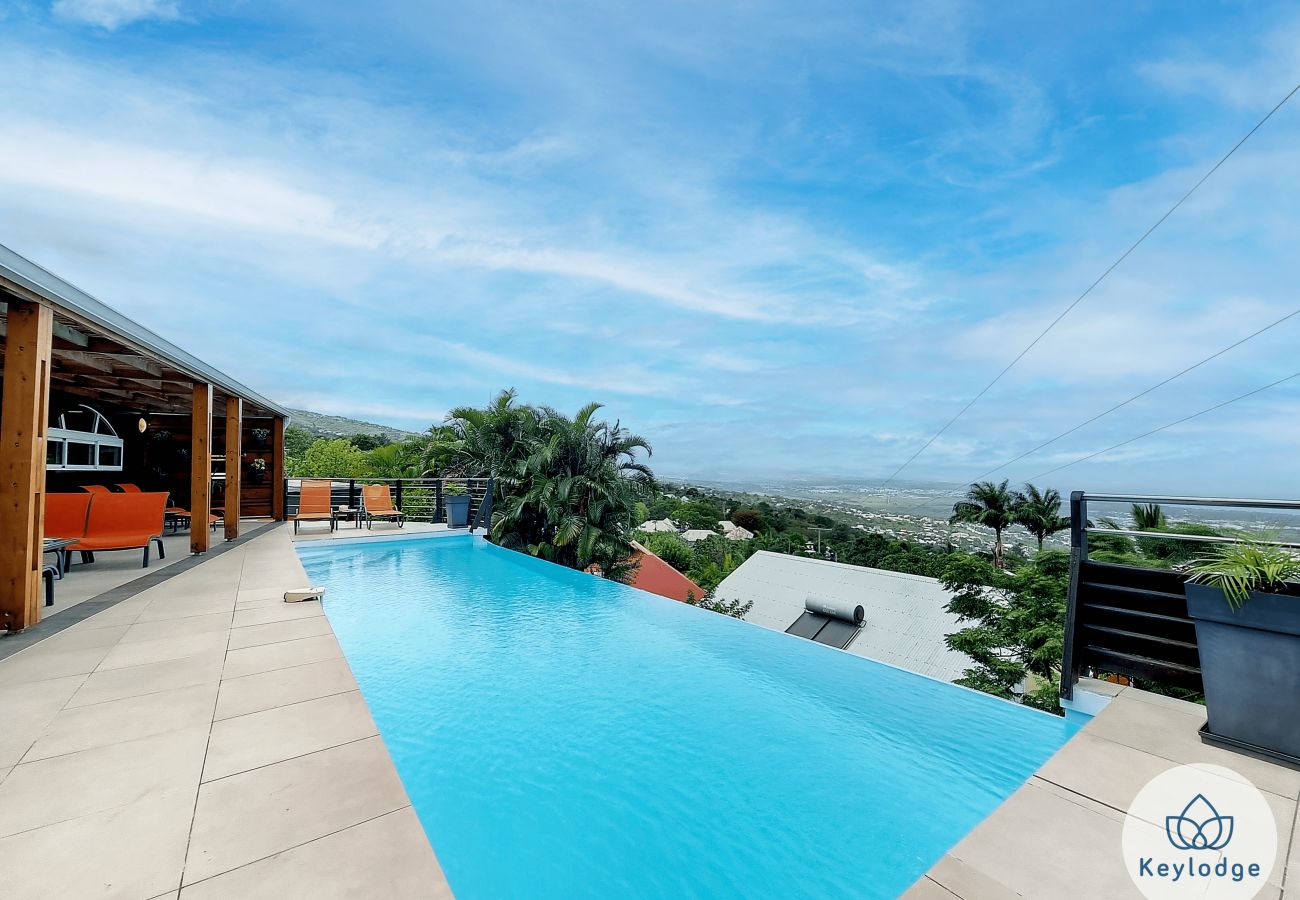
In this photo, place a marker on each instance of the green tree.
(733, 608)
(1018, 623)
(1149, 517)
(1040, 513)
(704, 513)
(750, 519)
(992, 506)
(369, 442)
(396, 461)
(297, 440)
(491, 442)
(668, 547)
(568, 487)
(329, 458)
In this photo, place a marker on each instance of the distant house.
(733, 532)
(698, 534)
(905, 622)
(658, 525)
(658, 577)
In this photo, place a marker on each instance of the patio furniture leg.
(47, 575)
(162, 551)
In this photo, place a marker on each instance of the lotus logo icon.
(1199, 827)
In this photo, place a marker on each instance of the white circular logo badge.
(1199, 831)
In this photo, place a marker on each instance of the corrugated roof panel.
(906, 621)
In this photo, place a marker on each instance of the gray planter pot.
(1250, 664)
(457, 510)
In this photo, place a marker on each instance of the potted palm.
(456, 497)
(1245, 602)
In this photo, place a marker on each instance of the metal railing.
(422, 499)
(1130, 619)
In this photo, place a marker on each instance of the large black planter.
(1250, 665)
(457, 510)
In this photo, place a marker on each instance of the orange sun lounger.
(314, 504)
(378, 504)
(123, 522)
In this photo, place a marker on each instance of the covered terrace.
(92, 398)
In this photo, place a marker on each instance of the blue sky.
(776, 239)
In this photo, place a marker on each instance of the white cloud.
(113, 14)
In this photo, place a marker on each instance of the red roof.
(657, 577)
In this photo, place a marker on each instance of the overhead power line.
(1146, 434)
(1077, 300)
(1120, 405)
(1137, 396)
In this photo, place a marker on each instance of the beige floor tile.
(259, 599)
(1032, 845)
(129, 852)
(252, 660)
(124, 613)
(26, 709)
(386, 857)
(280, 687)
(958, 878)
(256, 814)
(142, 653)
(1171, 732)
(173, 628)
(261, 738)
(159, 611)
(925, 889)
(100, 724)
(38, 664)
(53, 790)
(274, 632)
(272, 613)
(79, 637)
(117, 684)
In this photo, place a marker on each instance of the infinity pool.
(564, 736)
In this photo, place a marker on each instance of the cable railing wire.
(1100, 278)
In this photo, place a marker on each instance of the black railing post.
(1078, 555)
(352, 494)
(399, 493)
(438, 514)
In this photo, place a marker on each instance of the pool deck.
(1059, 835)
(201, 739)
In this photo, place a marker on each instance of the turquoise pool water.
(564, 736)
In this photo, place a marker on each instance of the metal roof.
(78, 305)
(905, 620)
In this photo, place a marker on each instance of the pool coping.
(1059, 835)
(203, 739)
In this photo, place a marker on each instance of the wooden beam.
(234, 463)
(277, 469)
(201, 468)
(24, 414)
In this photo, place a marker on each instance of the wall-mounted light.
(143, 425)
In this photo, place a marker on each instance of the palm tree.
(396, 461)
(1149, 517)
(488, 442)
(1040, 513)
(570, 496)
(991, 505)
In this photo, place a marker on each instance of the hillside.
(324, 425)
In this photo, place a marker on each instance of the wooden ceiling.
(90, 365)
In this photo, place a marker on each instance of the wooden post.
(234, 463)
(23, 419)
(277, 469)
(201, 469)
